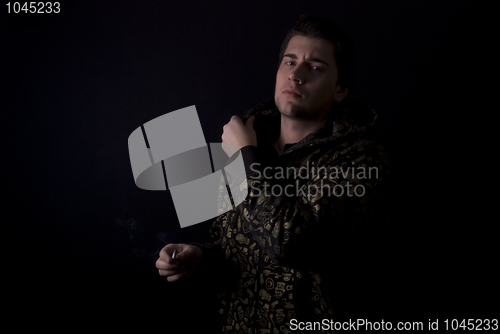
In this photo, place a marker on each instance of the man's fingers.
(167, 270)
(183, 255)
(169, 273)
(167, 251)
(180, 256)
(184, 252)
(166, 273)
(236, 118)
(182, 266)
(182, 274)
(162, 265)
(235, 123)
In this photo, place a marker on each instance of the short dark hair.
(321, 26)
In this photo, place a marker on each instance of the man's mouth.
(292, 92)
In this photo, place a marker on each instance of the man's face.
(306, 82)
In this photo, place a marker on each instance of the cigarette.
(174, 254)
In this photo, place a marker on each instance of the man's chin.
(293, 111)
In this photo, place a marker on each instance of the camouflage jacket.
(291, 250)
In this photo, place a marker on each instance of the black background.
(80, 239)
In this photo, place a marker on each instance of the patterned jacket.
(293, 249)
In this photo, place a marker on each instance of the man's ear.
(340, 94)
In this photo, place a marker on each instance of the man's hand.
(237, 135)
(186, 263)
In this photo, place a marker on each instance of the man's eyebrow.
(313, 60)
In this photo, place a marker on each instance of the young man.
(288, 257)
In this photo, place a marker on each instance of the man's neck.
(294, 130)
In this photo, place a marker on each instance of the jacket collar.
(350, 118)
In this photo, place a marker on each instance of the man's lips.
(292, 92)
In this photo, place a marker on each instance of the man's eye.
(316, 68)
(289, 63)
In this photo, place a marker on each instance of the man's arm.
(196, 260)
(280, 224)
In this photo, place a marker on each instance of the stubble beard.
(292, 110)
(298, 112)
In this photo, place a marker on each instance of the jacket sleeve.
(286, 219)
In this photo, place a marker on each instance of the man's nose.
(297, 74)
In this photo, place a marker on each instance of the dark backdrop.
(80, 239)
